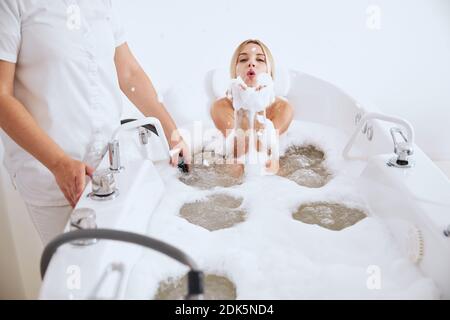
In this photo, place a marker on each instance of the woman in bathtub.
(251, 61)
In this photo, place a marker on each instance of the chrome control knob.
(103, 185)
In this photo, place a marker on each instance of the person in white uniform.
(63, 64)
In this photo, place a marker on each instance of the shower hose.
(195, 276)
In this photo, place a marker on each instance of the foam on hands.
(254, 99)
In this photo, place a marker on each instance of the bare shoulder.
(281, 102)
(279, 105)
(222, 103)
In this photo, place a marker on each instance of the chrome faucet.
(103, 181)
(447, 231)
(403, 150)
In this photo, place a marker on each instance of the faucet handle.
(401, 148)
(103, 185)
(404, 148)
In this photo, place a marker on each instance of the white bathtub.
(413, 203)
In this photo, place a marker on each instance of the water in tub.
(305, 233)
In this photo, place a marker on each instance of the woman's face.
(251, 63)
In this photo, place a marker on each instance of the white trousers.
(49, 221)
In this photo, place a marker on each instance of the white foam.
(273, 256)
(253, 100)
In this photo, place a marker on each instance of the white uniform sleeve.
(10, 34)
(118, 29)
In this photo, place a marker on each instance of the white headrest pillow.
(221, 82)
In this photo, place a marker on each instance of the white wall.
(403, 68)
(20, 246)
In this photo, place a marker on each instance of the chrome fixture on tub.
(447, 231)
(103, 185)
(195, 275)
(104, 181)
(83, 219)
(148, 124)
(403, 150)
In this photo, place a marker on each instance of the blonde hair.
(265, 50)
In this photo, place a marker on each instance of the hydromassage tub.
(400, 250)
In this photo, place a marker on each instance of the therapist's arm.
(18, 124)
(137, 86)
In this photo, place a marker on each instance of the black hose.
(195, 279)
